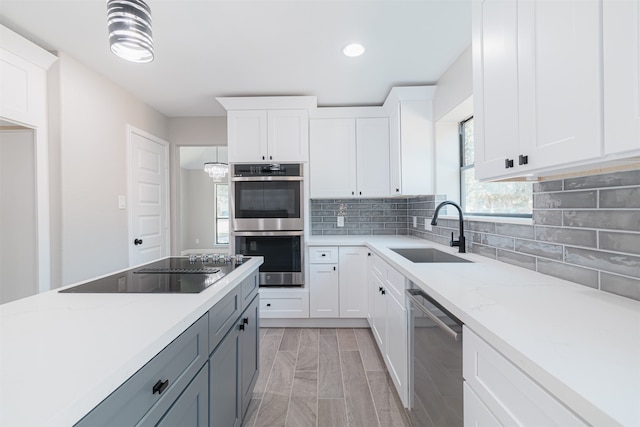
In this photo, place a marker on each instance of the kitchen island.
(62, 354)
(581, 345)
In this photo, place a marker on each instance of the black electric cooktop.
(168, 276)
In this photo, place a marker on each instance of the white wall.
(18, 239)
(189, 131)
(198, 207)
(452, 103)
(91, 115)
(455, 86)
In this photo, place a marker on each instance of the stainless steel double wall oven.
(267, 219)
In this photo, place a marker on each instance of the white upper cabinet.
(268, 128)
(621, 26)
(332, 153)
(23, 86)
(372, 157)
(411, 147)
(267, 135)
(349, 157)
(537, 85)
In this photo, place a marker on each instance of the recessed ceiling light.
(353, 50)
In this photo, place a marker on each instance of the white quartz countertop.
(61, 354)
(580, 344)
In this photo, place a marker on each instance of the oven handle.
(267, 233)
(411, 293)
(266, 178)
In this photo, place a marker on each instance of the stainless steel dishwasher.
(435, 363)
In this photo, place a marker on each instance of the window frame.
(465, 167)
(218, 218)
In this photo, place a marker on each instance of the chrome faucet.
(460, 243)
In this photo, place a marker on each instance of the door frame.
(131, 130)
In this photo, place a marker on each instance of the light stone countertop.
(62, 354)
(580, 344)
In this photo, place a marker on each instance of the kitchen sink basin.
(430, 255)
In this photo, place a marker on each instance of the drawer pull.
(160, 386)
(269, 305)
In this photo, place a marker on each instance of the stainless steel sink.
(431, 255)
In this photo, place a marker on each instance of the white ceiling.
(209, 48)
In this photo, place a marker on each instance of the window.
(488, 198)
(222, 213)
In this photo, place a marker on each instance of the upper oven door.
(267, 203)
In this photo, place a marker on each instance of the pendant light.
(217, 170)
(130, 34)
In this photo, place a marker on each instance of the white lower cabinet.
(338, 281)
(388, 321)
(352, 268)
(505, 391)
(324, 290)
(476, 413)
(284, 303)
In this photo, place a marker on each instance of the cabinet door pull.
(508, 163)
(241, 327)
(397, 190)
(380, 289)
(384, 292)
(262, 157)
(160, 386)
(245, 320)
(353, 193)
(523, 160)
(334, 268)
(361, 193)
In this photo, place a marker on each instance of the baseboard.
(313, 323)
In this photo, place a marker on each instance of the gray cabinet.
(249, 353)
(145, 397)
(192, 407)
(224, 384)
(234, 369)
(204, 377)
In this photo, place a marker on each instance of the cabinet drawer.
(176, 365)
(223, 315)
(513, 397)
(284, 307)
(380, 267)
(397, 285)
(248, 290)
(323, 255)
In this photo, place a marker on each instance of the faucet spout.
(461, 242)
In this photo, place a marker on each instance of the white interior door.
(148, 198)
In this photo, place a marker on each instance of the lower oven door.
(282, 252)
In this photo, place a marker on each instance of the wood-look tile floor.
(323, 377)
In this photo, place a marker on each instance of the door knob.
(137, 242)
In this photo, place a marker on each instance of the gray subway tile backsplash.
(585, 229)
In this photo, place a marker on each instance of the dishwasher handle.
(411, 293)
